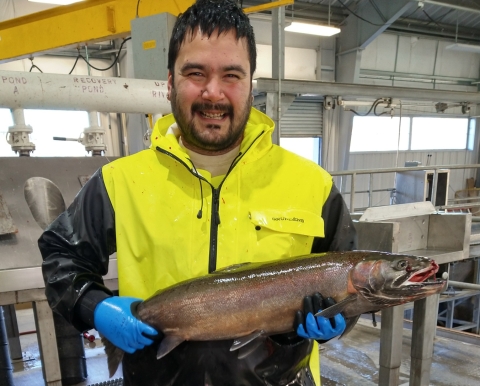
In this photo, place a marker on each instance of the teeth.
(213, 116)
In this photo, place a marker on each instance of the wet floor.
(350, 361)
(353, 360)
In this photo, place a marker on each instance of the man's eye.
(232, 77)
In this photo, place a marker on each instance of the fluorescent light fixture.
(463, 47)
(312, 29)
(57, 2)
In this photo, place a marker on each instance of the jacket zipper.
(215, 216)
(215, 222)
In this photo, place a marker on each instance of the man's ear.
(169, 84)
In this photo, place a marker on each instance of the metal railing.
(372, 172)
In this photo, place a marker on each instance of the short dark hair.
(209, 16)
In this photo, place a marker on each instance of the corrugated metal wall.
(408, 61)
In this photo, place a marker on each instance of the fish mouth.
(421, 276)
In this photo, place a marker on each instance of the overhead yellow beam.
(267, 6)
(85, 22)
(79, 23)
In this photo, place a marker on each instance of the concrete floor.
(352, 360)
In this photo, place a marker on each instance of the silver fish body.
(248, 300)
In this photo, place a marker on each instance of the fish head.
(393, 279)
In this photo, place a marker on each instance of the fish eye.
(402, 264)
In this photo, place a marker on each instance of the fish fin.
(337, 308)
(168, 344)
(114, 356)
(350, 322)
(246, 350)
(232, 268)
(244, 340)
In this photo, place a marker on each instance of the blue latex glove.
(318, 328)
(113, 319)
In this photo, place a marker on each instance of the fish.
(249, 300)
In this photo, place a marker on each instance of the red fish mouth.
(419, 277)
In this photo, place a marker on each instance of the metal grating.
(112, 382)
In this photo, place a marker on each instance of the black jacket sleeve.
(75, 249)
(340, 233)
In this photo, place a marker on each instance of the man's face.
(211, 92)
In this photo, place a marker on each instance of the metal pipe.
(347, 90)
(453, 6)
(402, 169)
(463, 285)
(6, 370)
(71, 92)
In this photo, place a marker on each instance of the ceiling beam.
(76, 24)
(345, 90)
(452, 6)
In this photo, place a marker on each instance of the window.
(439, 133)
(307, 147)
(5, 122)
(47, 124)
(379, 134)
(417, 133)
(471, 134)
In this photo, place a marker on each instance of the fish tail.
(114, 356)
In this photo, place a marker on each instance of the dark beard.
(190, 133)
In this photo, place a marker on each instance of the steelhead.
(246, 301)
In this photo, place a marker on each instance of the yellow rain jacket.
(169, 222)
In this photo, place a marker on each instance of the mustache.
(224, 108)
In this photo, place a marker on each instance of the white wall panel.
(380, 54)
(455, 63)
(416, 55)
(300, 63)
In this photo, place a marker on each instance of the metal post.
(370, 190)
(352, 193)
(391, 346)
(12, 331)
(425, 313)
(6, 370)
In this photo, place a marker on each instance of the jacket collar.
(257, 137)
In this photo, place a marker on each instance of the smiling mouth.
(217, 116)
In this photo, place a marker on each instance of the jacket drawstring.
(200, 212)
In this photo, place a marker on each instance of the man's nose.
(213, 90)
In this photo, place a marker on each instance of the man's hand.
(318, 328)
(114, 320)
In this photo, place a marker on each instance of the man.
(212, 191)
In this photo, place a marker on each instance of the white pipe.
(80, 92)
(18, 117)
(93, 118)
